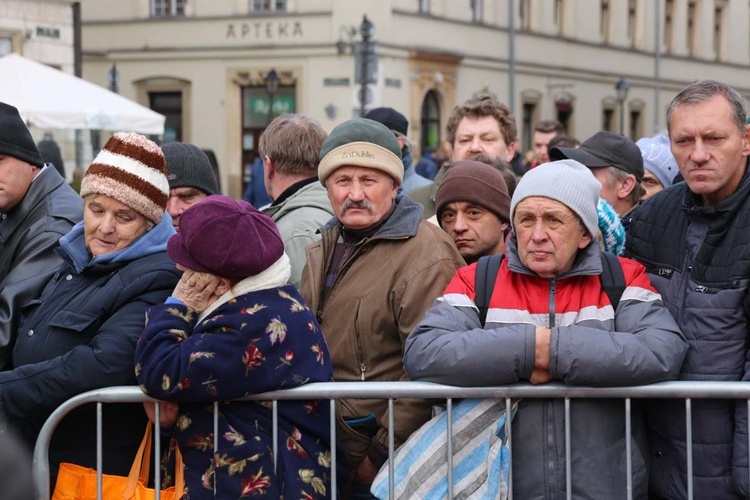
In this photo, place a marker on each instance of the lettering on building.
(264, 30)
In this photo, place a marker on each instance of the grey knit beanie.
(566, 181)
(188, 166)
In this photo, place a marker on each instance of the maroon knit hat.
(474, 182)
(227, 238)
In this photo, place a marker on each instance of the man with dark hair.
(290, 149)
(190, 175)
(481, 125)
(694, 239)
(472, 207)
(544, 131)
(37, 207)
(617, 164)
(377, 268)
(400, 126)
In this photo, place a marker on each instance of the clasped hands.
(541, 373)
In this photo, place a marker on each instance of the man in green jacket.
(289, 148)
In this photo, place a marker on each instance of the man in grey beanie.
(550, 317)
(190, 175)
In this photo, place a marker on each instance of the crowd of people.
(360, 266)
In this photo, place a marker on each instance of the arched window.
(430, 121)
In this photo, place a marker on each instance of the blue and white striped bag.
(480, 458)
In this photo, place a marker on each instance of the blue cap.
(658, 159)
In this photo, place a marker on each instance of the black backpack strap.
(613, 280)
(484, 282)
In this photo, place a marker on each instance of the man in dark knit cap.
(37, 207)
(377, 268)
(190, 175)
(472, 207)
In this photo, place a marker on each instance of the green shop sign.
(260, 105)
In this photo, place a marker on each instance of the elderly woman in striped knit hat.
(81, 333)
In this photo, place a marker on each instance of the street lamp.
(622, 87)
(113, 77)
(366, 30)
(272, 86)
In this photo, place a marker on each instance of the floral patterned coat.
(261, 341)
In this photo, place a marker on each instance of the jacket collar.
(73, 247)
(587, 262)
(693, 204)
(45, 182)
(293, 189)
(402, 223)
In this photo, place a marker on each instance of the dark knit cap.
(474, 182)
(227, 238)
(361, 142)
(188, 166)
(15, 138)
(390, 118)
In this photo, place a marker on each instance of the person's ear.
(222, 287)
(268, 168)
(626, 186)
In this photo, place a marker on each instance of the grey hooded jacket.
(298, 215)
(591, 345)
(28, 237)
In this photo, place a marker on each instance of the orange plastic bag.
(79, 483)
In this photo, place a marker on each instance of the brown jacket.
(381, 294)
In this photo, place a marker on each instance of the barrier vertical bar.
(508, 427)
(334, 491)
(157, 450)
(568, 473)
(689, 428)
(449, 412)
(628, 449)
(391, 450)
(275, 427)
(99, 450)
(748, 439)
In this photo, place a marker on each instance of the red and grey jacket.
(591, 344)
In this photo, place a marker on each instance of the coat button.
(30, 333)
(69, 277)
(659, 454)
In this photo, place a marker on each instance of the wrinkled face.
(360, 196)
(549, 236)
(15, 178)
(651, 184)
(541, 141)
(109, 225)
(475, 230)
(709, 148)
(609, 189)
(180, 199)
(477, 136)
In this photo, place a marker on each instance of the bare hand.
(196, 289)
(168, 412)
(366, 471)
(540, 376)
(541, 344)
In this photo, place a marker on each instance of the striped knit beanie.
(130, 169)
(566, 181)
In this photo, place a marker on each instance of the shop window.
(168, 104)
(430, 121)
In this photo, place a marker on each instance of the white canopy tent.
(48, 98)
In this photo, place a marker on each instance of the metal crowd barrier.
(394, 390)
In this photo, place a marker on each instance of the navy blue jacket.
(81, 335)
(698, 259)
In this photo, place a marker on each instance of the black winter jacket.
(698, 259)
(28, 237)
(78, 336)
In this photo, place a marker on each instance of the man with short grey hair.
(289, 148)
(695, 241)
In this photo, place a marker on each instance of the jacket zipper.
(550, 408)
(358, 342)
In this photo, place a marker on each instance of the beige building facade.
(208, 65)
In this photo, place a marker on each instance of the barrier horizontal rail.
(393, 390)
